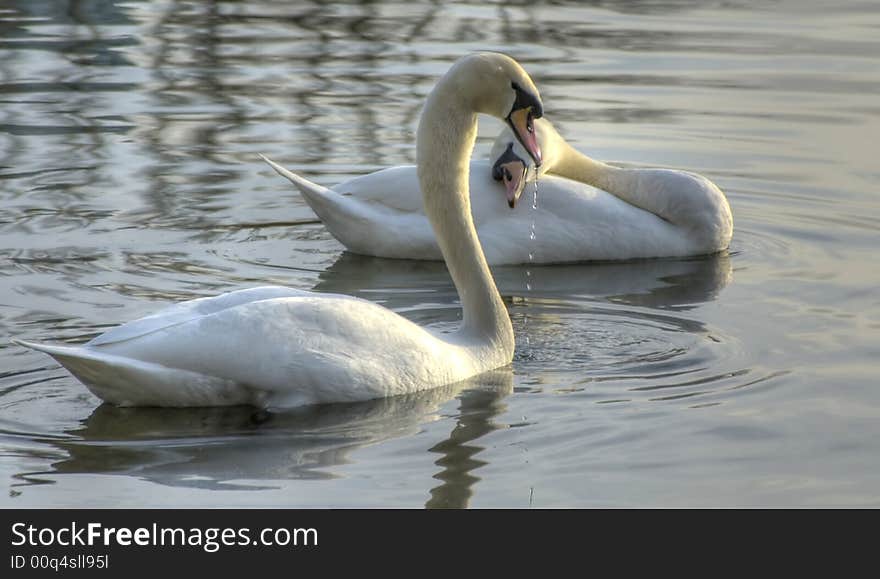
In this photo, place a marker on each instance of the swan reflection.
(657, 283)
(244, 449)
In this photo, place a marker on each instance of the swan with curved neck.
(588, 210)
(688, 201)
(279, 347)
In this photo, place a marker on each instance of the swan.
(632, 212)
(279, 347)
(587, 210)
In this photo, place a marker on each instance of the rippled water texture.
(129, 179)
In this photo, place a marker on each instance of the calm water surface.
(129, 179)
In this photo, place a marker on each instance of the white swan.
(634, 213)
(280, 347)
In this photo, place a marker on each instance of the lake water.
(129, 179)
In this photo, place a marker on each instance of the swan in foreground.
(599, 212)
(280, 347)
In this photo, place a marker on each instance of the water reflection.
(238, 448)
(661, 283)
(458, 453)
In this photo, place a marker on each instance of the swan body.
(625, 212)
(586, 210)
(267, 346)
(280, 347)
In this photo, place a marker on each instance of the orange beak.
(513, 174)
(523, 124)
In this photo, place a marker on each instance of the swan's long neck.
(444, 144)
(635, 186)
(683, 199)
(572, 164)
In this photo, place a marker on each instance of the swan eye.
(526, 100)
(499, 171)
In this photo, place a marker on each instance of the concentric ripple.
(618, 353)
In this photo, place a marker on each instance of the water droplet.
(535, 196)
(532, 236)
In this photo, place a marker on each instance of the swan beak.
(514, 176)
(522, 121)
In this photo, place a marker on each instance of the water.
(129, 178)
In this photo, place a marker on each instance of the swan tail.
(309, 189)
(303, 184)
(130, 382)
(349, 219)
(57, 352)
(336, 211)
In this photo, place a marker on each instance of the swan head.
(512, 164)
(495, 84)
(512, 170)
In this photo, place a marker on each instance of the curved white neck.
(635, 186)
(572, 164)
(686, 200)
(444, 143)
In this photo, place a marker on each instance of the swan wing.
(573, 222)
(394, 188)
(305, 349)
(190, 310)
(264, 348)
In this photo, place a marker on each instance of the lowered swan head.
(512, 164)
(511, 170)
(689, 202)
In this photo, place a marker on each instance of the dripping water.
(531, 255)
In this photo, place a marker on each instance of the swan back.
(691, 202)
